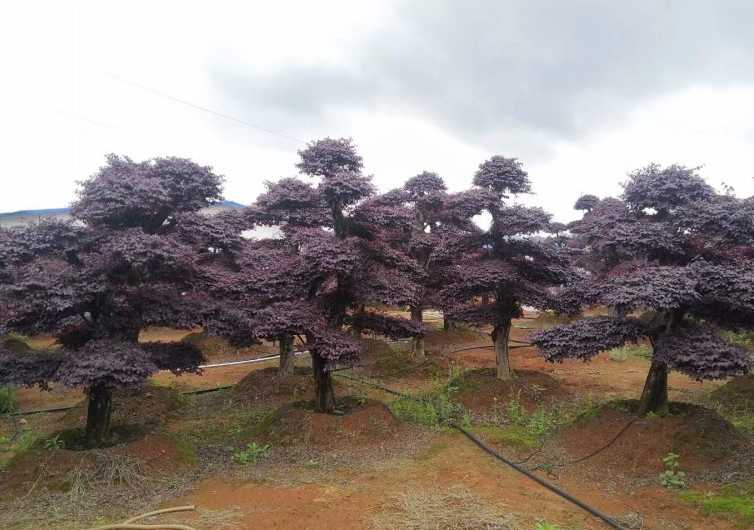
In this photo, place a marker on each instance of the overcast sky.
(581, 91)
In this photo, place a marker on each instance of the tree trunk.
(500, 336)
(416, 316)
(324, 400)
(287, 357)
(98, 415)
(654, 398)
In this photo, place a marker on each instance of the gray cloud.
(512, 74)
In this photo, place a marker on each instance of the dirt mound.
(441, 341)
(211, 347)
(480, 391)
(704, 440)
(148, 406)
(156, 452)
(736, 394)
(375, 348)
(56, 469)
(362, 424)
(267, 386)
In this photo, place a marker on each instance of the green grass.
(8, 401)
(225, 432)
(251, 454)
(630, 350)
(432, 409)
(544, 525)
(735, 502)
(185, 449)
(531, 429)
(745, 339)
(514, 435)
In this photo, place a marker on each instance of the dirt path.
(350, 501)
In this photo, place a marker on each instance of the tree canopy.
(671, 260)
(94, 282)
(495, 272)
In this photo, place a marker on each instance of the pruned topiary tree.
(671, 260)
(498, 271)
(338, 254)
(95, 282)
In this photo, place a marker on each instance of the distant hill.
(23, 217)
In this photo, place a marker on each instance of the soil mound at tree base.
(704, 440)
(481, 391)
(361, 423)
(268, 386)
(211, 347)
(148, 406)
(58, 469)
(737, 393)
(442, 341)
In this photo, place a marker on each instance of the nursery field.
(255, 455)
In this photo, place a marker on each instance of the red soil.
(704, 441)
(266, 385)
(368, 424)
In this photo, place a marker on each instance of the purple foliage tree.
(672, 262)
(340, 253)
(95, 282)
(424, 195)
(507, 266)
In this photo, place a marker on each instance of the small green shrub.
(252, 454)
(56, 442)
(673, 477)
(8, 402)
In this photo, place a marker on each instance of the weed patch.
(531, 429)
(735, 502)
(434, 409)
(251, 454)
(626, 351)
(8, 402)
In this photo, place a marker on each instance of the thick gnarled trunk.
(324, 399)
(654, 397)
(418, 345)
(98, 415)
(287, 357)
(500, 336)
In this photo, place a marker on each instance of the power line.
(202, 108)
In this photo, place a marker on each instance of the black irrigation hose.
(40, 411)
(542, 482)
(611, 442)
(479, 443)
